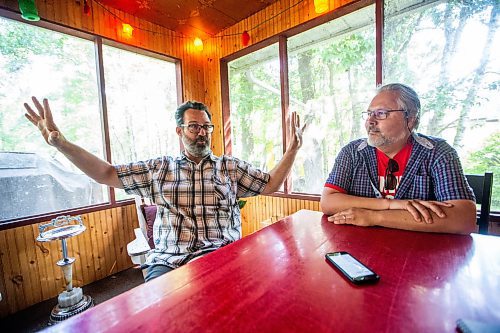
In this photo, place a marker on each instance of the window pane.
(458, 45)
(34, 177)
(332, 76)
(255, 99)
(141, 94)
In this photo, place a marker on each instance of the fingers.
(422, 210)
(48, 112)
(339, 218)
(414, 212)
(31, 115)
(435, 206)
(39, 107)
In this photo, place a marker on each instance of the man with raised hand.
(197, 192)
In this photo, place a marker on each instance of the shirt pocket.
(224, 192)
(421, 188)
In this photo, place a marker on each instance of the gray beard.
(196, 149)
(381, 141)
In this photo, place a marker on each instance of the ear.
(178, 130)
(411, 123)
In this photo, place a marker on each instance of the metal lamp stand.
(72, 300)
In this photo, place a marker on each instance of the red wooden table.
(277, 280)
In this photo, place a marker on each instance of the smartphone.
(354, 270)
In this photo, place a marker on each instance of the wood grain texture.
(28, 270)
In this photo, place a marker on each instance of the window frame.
(281, 38)
(98, 42)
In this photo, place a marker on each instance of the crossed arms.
(453, 216)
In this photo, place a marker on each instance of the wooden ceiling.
(201, 18)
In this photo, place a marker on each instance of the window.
(331, 74)
(448, 51)
(141, 97)
(35, 179)
(256, 108)
(458, 45)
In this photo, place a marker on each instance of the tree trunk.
(305, 75)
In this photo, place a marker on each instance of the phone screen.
(355, 271)
(350, 265)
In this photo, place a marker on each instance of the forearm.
(459, 219)
(94, 167)
(279, 173)
(332, 203)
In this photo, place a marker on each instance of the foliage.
(487, 159)
(332, 77)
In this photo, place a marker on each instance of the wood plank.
(4, 310)
(15, 277)
(34, 286)
(8, 290)
(85, 240)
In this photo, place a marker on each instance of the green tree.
(487, 159)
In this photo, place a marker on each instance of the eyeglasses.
(379, 114)
(390, 181)
(196, 128)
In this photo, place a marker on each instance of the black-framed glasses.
(379, 114)
(390, 181)
(196, 128)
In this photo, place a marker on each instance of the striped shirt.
(433, 171)
(198, 203)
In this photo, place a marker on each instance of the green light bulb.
(28, 10)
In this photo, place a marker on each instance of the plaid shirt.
(199, 202)
(433, 171)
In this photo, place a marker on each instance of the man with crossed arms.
(397, 178)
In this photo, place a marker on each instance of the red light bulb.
(245, 38)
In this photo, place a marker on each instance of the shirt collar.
(183, 156)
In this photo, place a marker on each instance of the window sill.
(20, 222)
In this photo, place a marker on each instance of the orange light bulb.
(127, 30)
(198, 44)
(320, 6)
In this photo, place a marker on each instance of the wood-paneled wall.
(261, 211)
(28, 273)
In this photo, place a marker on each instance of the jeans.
(152, 272)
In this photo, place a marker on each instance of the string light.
(245, 38)
(320, 6)
(86, 8)
(127, 30)
(245, 35)
(198, 44)
(28, 10)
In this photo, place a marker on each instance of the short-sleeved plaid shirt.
(198, 203)
(433, 171)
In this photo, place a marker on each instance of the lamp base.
(60, 313)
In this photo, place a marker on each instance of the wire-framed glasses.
(379, 114)
(390, 181)
(196, 128)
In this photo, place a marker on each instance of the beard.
(199, 147)
(380, 140)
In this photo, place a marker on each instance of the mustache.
(202, 137)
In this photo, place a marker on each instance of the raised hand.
(44, 121)
(295, 132)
